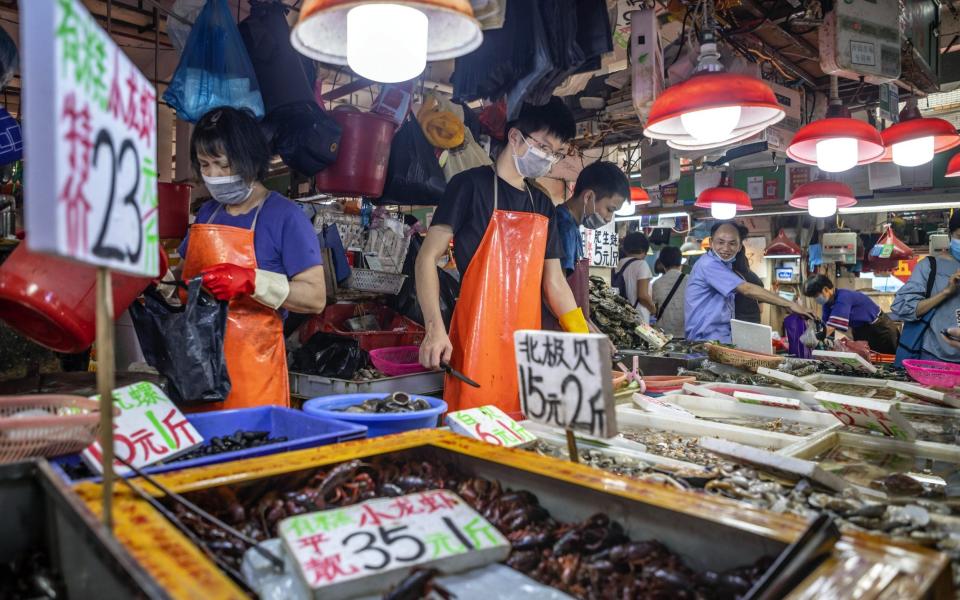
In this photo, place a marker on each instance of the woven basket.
(742, 359)
(46, 426)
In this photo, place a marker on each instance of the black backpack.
(618, 282)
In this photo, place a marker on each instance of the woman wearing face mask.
(854, 314)
(600, 190)
(929, 303)
(253, 248)
(508, 250)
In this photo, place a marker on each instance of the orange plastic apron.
(253, 345)
(500, 294)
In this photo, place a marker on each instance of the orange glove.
(228, 281)
(574, 322)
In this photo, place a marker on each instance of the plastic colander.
(933, 372)
(397, 360)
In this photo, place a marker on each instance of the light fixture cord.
(834, 90)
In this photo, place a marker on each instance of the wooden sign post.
(566, 381)
(90, 156)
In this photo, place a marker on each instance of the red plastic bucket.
(174, 205)
(52, 301)
(361, 167)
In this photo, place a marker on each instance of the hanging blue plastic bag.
(11, 142)
(214, 68)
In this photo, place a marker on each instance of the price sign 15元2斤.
(566, 380)
(90, 146)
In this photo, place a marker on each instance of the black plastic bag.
(405, 301)
(414, 175)
(330, 355)
(9, 59)
(185, 344)
(305, 137)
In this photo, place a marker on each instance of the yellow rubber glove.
(574, 322)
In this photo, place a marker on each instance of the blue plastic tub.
(302, 431)
(377, 424)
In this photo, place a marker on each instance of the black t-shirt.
(467, 206)
(745, 308)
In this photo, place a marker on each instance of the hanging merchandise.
(11, 140)
(493, 117)
(712, 108)
(9, 59)
(594, 33)
(393, 101)
(646, 61)
(304, 136)
(489, 13)
(890, 246)
(414, 175)
(466, 155)
(560, 26)
(185, 343)
(177, 30)
(541, 63)
(361, 165)
(442, 128)
(837, 142)
(214, 69)
(822, 197)
(386, 42)
(915, 139)
(782, 247)
(330, 239)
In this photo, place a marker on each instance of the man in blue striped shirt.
(853, 314)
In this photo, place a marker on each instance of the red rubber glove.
(228, 281)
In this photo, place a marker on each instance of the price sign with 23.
(91, 169)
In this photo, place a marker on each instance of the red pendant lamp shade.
(638, 195)
(803, 148)
(758, 108)
(782, 246)
(953, 167)
(913, 127)
(720, 199)
(823, 188)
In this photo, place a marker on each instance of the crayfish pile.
(591, 559)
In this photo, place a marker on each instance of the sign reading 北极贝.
(90, 144)
(565, 380)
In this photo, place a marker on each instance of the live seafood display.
(935, 428)
(30, 576)
(767, 424)
(898, 474)
(673, 445)
(710, 372)
(594, 558)
(595, 458)
(398, 402)
(858, 391)
(614, 315)
(239, 440)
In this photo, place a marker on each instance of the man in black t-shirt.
(507, 258)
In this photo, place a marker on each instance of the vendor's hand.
(228, 281)
(953, 285)
(436, 348)
(800, 310)
(955, 332)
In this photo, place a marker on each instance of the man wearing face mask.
(253, 248)
(853, 314)
(508, 250)
(929, 303)
(713, 285)
(600, 190)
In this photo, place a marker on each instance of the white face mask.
(533, 163)
(229, 190)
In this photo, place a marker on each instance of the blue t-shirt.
(570, 238)
(284, 240)
(709, 300)
(849, 309)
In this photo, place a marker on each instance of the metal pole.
(105, 383)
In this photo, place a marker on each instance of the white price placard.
(368, 547)
(489, 424)
(601, 245)
(871, 415)
(90, 149)
(149, 428)
(565, 380)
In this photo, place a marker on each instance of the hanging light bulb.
(627, 210)
(712, 108)
(386, 42)
(822, 206)
(823, 197)
(915, 139)
(711, 124)
(723, 210)
(835, 155)
(913, 153)
(837, 142)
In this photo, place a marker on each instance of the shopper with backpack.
(632, 277)
(929, 303)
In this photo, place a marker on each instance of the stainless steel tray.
(312, 386)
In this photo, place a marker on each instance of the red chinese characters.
(78, 139)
